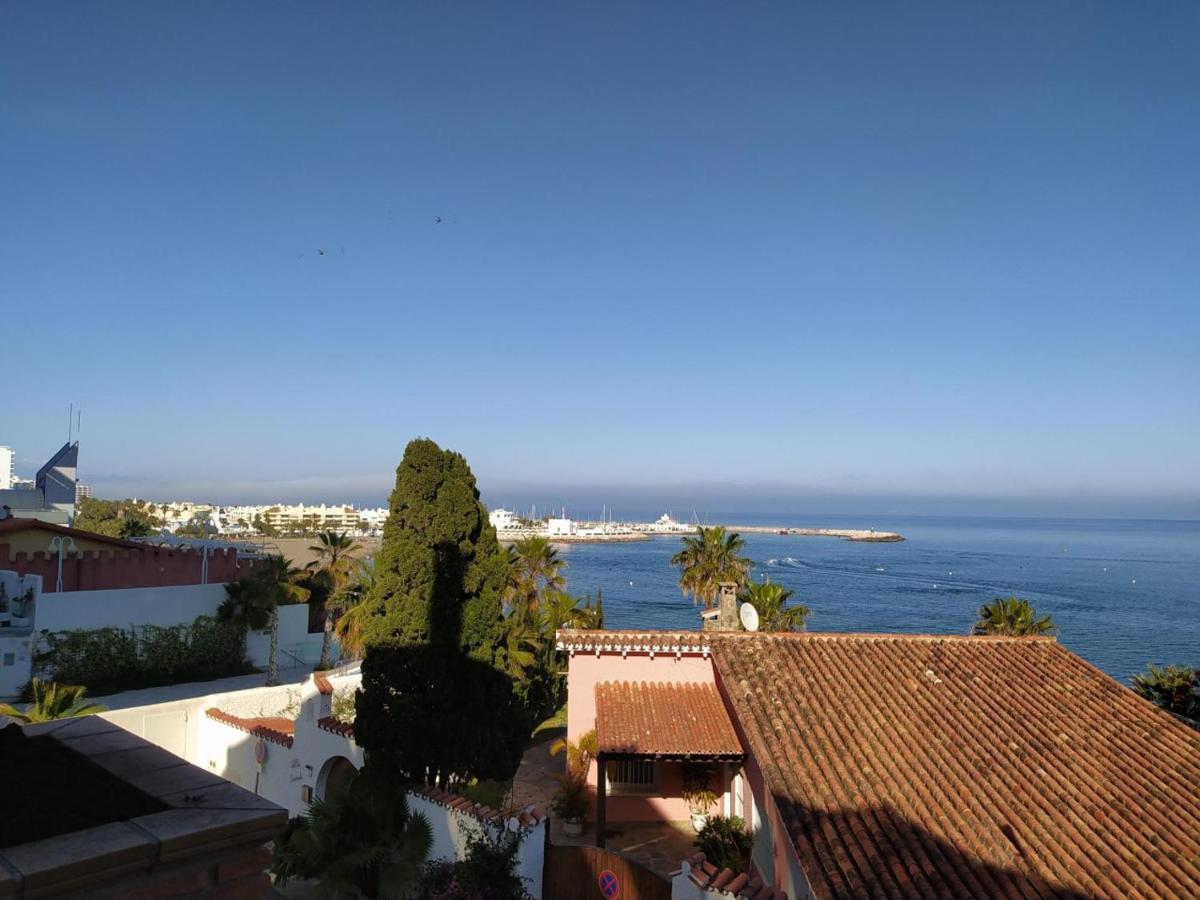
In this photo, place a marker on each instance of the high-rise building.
(82, 492)
(7, 474)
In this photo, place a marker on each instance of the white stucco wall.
(128, 606)
(296, 645)
(453, 830)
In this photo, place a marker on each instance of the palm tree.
(1175, 688)
(769, 601)
(361, 841)
(334, 564)
(579, 753)
(52, 701)
(354, 609)
(534, 567)
(254, 602)
(707, 560)
(1012, 616)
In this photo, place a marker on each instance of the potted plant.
(698, 792)
(570, 802)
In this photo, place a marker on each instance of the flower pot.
(573, 827)
(699, 820)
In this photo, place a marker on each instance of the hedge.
(109, 660)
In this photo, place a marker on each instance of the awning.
(664, 720)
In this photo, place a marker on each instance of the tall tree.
(52, 701)
(254, 602)
(708, 558)
(431, 714)
(439, 568)
(770, 602)
(534, 569)
(1013, 616)
(334, 563)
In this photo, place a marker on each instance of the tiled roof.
(270, 728)
(16, 524)
(664, 719)
(965, 767)
(526, 818)
(336, 726)
(652, 642)
(322, 683)
(743, 886)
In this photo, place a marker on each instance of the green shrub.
(726, 843)
(109, 660)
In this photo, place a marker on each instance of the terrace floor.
(659, 846)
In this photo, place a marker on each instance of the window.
(632, 776)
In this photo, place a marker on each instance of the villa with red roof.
(891, 765)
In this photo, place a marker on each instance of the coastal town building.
(503, 519)
(55, 579)
(891, 765)
(52, 498)
(7, 470)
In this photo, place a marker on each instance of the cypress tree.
(440, 573)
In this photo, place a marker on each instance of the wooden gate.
(589, 873)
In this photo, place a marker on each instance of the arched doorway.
(333, 775)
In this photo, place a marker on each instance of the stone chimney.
(725, 616)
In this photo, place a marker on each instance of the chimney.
(727, 607)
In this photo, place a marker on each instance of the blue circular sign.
(609, 886)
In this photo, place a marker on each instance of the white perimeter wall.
(127, 606)
(452, 830)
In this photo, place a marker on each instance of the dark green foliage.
(362, 841)
(726, 843)
(1175, 688)
(488, 872)
(109, 660)
(1012, 616)
(117, 518)
(431, 714)
(439, 568)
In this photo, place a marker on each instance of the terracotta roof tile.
(336, 726)
(705, 875)
(652, 642)
(664, 719)
(270, 728)
(925, 766)
(526, 818)
(323, 684)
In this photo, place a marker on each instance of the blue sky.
(811, 254)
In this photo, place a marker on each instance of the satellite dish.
(749, 616)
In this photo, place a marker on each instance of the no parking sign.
(610, 887)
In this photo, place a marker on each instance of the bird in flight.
(437, 220)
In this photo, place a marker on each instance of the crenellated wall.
(93, 570)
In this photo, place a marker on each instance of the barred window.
(632, 776)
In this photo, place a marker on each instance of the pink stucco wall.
(586, 670)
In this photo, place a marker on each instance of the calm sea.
(1123, 593)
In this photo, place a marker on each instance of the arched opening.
(333, 775)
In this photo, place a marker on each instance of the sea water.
(1122, 592)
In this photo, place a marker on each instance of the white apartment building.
(7, 472)
(503, 519)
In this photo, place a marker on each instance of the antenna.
(749, 616)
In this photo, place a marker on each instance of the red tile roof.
(322, 683)
(725, 881)
(336, 726)
(652, 642)
(664, 719)
(270, 728)
(526, 818)
(19, 524)
(925, 766)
